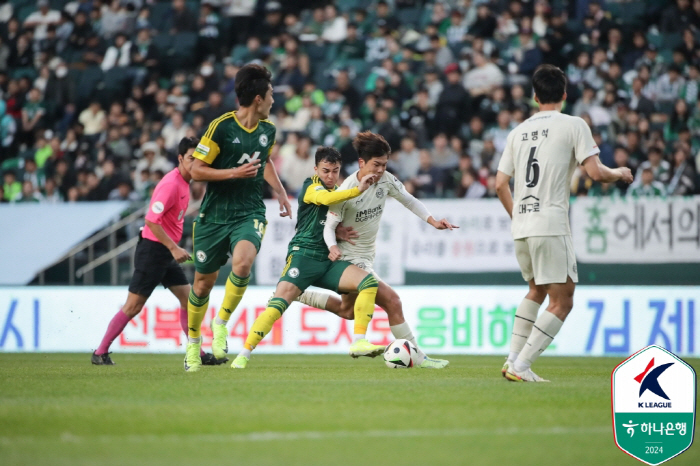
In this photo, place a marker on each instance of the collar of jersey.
(317, 179)
(235, 117)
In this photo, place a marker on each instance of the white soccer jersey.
(364, 212)
(541, 154)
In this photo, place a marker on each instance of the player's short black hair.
(252, 80)
(370, 145)
(327, 154)
(549, 83)
(186, 144)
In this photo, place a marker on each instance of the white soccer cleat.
(524, 376)
(506, 365)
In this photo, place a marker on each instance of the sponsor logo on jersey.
(368, 214)
(322, 222)
(245, 158)
(157, 207)
(293, 272)
(202, 149)
(201, 256)
(263, 140)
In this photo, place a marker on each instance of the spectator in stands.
(683, 174)
(82, 29)
(143, 52)
(50, 193)
(8, 130)
(484, 77)
(442, 155)
(41, 19)
(670, 85)
(181, 19)
(22, 55)
(208, 30)
(638, 102)
(115, 18)
(429, 180)
(335, 28)
(272, 25)
(28, 194)
(660, 168)
(407, 161)
(471, 186)
(677, 122)
(118, 54)
(174, 131)
(94, 51)
(648, 187)
(94, 120)
(454, 104)
(4, 55)
(296, 163)
(485, 24)
(677, 16)
(352, 47)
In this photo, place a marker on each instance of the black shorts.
(153, 264)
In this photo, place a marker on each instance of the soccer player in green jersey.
(308, 262)
(232, 157)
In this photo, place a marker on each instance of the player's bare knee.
(203, 286)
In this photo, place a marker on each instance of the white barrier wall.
(446, 320)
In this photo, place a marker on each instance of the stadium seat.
(160, 16)
(116, 82)
(89, 82)
(184, 49)
(409, 16)
(17, 73)
(23, 12)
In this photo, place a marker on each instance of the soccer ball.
(400, 354)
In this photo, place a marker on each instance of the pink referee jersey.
(168, 206)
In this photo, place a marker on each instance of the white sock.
(403, 332)
(219, 321)
(315, 299)
(358, 337)
(245, 352)
(544, 330)
(522, 326)
(194, 340)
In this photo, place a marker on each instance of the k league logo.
(653, 404)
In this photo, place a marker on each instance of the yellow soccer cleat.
(240, 362)
(430, 363)
(365, 348)
(219, 343)
(524, 376)
(192, 360)
(506, 365)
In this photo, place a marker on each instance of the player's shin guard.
(235, 289)
(525, 317)
(544, 330)
(196, 309)
(263, 324)
(364, 305)
(316, 299)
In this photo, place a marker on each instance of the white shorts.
(364, 265)
(547, 259)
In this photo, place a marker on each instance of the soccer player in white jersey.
(363, 214)
(541, 154)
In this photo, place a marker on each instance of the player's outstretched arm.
(317, 194)
(179, 254)
(202, 171)
(599, 172)
(503, 191)
(273, 180)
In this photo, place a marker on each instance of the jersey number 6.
(532, 176)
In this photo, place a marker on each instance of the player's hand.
(626, 175)
(343, 233)
(180, 255)
(285, 206)
(335, 253)
(247, 170)
(441, 224)
(366, 182)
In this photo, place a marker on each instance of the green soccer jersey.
(314, 200)
(227, 144)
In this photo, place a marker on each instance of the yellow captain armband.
(207, 150)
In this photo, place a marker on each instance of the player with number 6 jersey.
(541, 155)
(232, 157)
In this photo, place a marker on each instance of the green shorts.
(214, 242)
(304, 271)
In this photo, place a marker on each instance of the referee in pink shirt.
(158, 257)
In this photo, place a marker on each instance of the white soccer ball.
(400, 354)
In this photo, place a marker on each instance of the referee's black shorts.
(153, 264)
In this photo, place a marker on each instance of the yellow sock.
(364, 304)
(263, 324)
(235, 288)
(196, 309)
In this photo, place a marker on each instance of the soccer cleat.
(524, 376)
(240, 362)
(210, 360)
(365, 348)
(430, 363)
(102, 360)
(219, 343)
(192, 360)
(506, 365)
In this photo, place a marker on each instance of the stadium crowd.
(95, 94)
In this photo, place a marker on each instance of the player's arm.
(206, 152)
(333, 219)
(179, 254)
(317, 194)
(270, 175)
(586, 152)
(419, 209)
(503, 191)
(505, 172)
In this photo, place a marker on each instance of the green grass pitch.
(57, 409)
